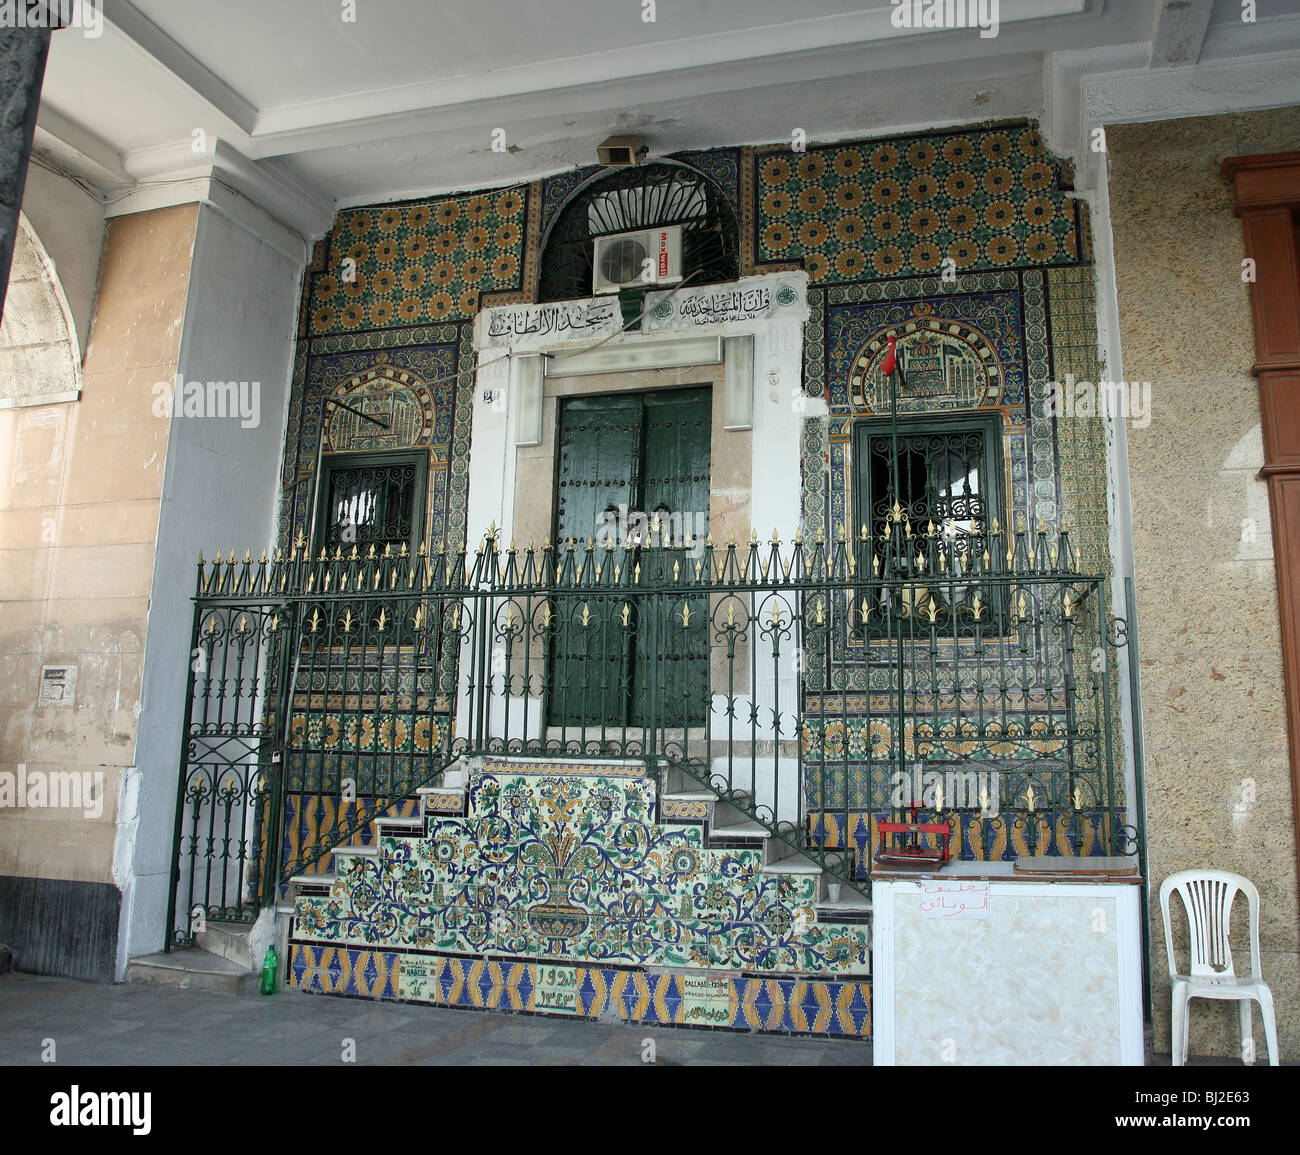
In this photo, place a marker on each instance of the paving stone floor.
(143, 1024)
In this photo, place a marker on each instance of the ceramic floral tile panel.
(575, 867)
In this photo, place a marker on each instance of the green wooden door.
(675, 485)
(619, 456)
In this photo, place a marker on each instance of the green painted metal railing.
(814, 688)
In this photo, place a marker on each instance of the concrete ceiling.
(305, 110)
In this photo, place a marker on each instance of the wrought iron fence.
(818, 689)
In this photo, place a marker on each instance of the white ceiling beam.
(187, 68)
(1180, 32)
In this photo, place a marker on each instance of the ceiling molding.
(175, 174)
(191, 71)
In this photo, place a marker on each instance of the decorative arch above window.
(662, 192)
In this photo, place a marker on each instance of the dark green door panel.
(617, 456)
(678, 428)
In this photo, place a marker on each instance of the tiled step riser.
(415, 966)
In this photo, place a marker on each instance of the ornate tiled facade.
(567, 868)
(968, 242)
(984, 198)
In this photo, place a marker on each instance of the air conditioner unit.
(621, 261)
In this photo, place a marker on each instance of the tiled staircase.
(574, 887)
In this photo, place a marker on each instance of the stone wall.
(1217, 776)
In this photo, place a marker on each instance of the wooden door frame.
(1266, 192)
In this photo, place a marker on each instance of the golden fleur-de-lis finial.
(677, 570)
(820, 612)
(1029, 799)
(920, 563)
(382, 621)
(347, 622)
(626, 614)
(731, 613)
(932, 610)
(586, 615)
(776, 615)
(866, 608)
(1078, 795)
(546, 615)
(686, 615)
(978, 608)
(418, 621)
(1068, 605)
(938, 795)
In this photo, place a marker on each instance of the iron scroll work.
(326, 691)
(653, 195)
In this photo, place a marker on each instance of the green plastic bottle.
(270, 965)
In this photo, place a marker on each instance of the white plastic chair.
(1207, 898)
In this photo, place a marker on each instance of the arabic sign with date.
(955, 899)
(557, 990)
